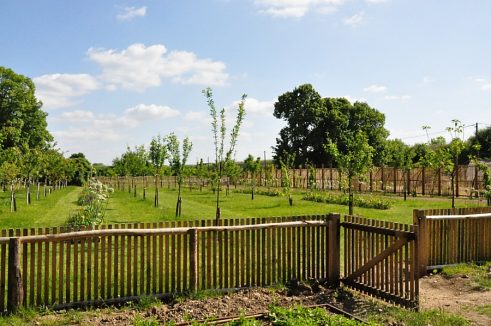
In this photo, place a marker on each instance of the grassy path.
(47, 212)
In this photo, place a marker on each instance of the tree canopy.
(313, 121)
(22, 122)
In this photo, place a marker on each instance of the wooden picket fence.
(59, 268)
(380, 259)
(421, 181)
(453, 236)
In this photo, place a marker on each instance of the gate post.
(333, 258)
(15, 292)
(419, 219)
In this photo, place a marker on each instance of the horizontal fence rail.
(51, 267)
(453, 236)
(380, 259)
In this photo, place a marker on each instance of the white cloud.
(485, 85)
(139, 67)
(84, 134)
(77, 116)
(142, 112)
(130, 13)
(355, 20)
(197, 116)
(256, 107)
(62, 90)
(397, 97)
(375, 88)
(296, 8)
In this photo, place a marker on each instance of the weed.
(307, 317)
(140, 321)
(400, 316)
(147, 302)
(479, 274)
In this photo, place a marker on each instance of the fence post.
(15, 292)
(193, 260)
(333, 258)
(419, 219)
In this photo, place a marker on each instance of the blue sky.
(113, 74)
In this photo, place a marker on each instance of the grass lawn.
(51, 210)
(123, 207)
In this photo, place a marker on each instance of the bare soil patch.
(456, 295)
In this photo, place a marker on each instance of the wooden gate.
(380, 259)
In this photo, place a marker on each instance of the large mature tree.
(22, 122)
(80, 169)
(312, 121)
(132, 162)
(483, 138)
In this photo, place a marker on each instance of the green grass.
(399, 316)
(478, 274)
(484, 310)
(49, 211)
(307, 317)
(123, 207)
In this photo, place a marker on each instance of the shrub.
(93, 200)
(270, 193)
(343, 199)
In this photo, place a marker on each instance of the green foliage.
(133, 162)
(375, 202)
(478, 274)
(252, 166)
(270, 193)
(219, 131)
(433, 317)
(312, 182)
(81, 169)
(483, 138)
(307, 317)
(22, 122)
(93, 200)
(313, 121)
(354, 157)
(157, 154)
(140, 321)
(178, 162)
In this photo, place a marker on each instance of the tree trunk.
(453, 190)
(13, 204)
(350, 197)
(405, 185)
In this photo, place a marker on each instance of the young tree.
(286, 164)
(178, 163)
(400, 156)
(157, 154)
(252, 165)
(354, 158)
(447, 157)
(232, 171)
(222, 156)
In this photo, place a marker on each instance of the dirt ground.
(456, 295)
